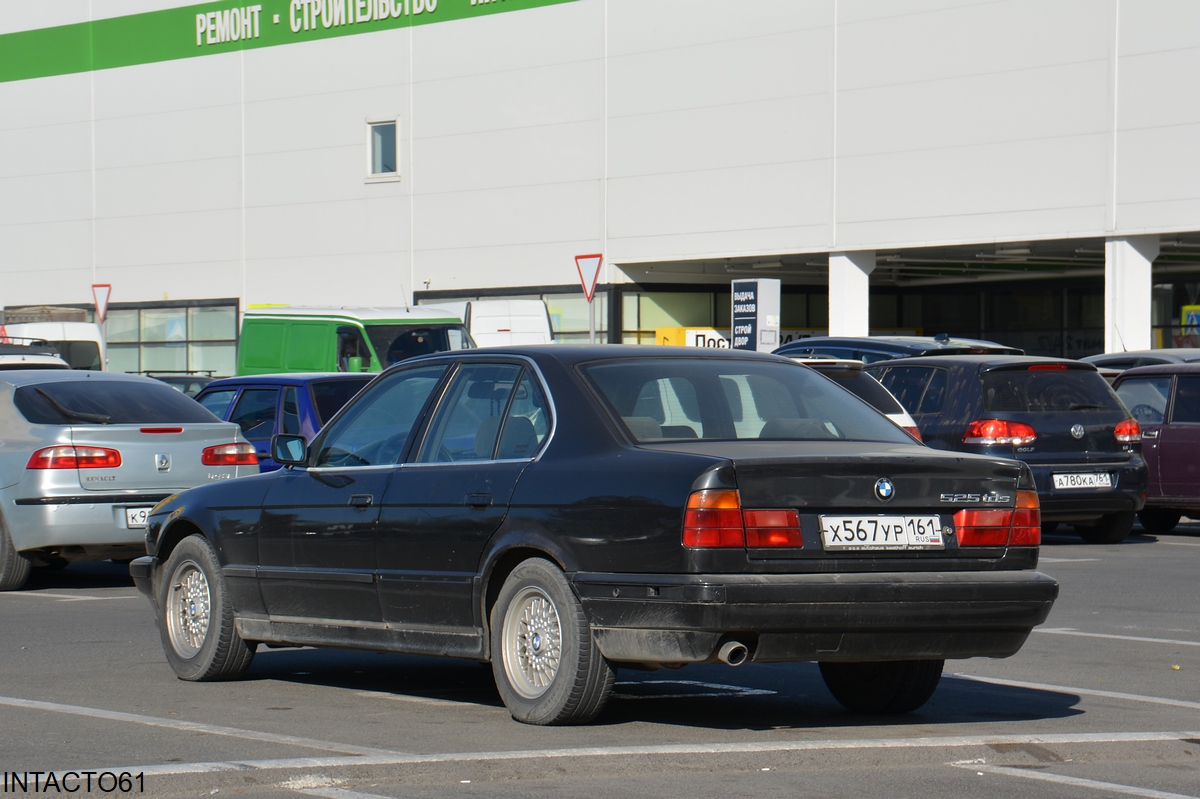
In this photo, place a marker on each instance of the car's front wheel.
(1159, 520)
(889, 686)
(547, 666)
(196, 618)
(14, 567)
(1111, 529)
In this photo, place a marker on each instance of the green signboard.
(211, 28)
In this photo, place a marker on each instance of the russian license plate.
(1083, 480)
(881, 532)
(136, 517)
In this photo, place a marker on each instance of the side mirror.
(354, 364)
(289, 449)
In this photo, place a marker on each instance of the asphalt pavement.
(1104, 699)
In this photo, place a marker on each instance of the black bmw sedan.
(564, 511)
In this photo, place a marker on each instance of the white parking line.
(340, 793)
(929, 742)
(1068, 560)
(192, 726)
(1111, 787)
(61, 597)
(715, 690)
(1072, 631)
(1067, 689)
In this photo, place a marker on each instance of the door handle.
(478, 500)
(362, 500)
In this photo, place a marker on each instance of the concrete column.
(1127, 292)
(849, 292)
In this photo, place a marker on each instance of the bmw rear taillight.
(997, 527)
(1128, 431)
(715, 518)
(999, 431)
(74, 458)
(230, 455)
(772, 528)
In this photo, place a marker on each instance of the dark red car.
(1165, 401)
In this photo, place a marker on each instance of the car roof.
(572, 354)
(1192, 368)
(27, 377)
(894, 343)
(983, 362)
(1182, 354)
(285, 379)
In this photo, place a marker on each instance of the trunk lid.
(156, 456)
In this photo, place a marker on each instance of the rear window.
(673, 399)
(921, 390)
(330, 395)
(1047, 391)
(81, 402)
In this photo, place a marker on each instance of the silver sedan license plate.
(1083, 480)
(136, 517)
(881, 532)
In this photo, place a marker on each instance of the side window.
(351, 344)
(907, 384)
(1187, 401)
(217, 402)
(1146, 398)
(467, 422)
(527, 422)
(255, 412)
(934, 398)
(291, 412)
(375, 429)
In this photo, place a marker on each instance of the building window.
(383, 155)
(163, 337)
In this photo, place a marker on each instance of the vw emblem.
(884, 489)
(1077, 430)
(162, 463)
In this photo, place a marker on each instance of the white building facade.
(899, 164)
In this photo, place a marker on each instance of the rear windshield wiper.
(1083, 406)
(67, 413)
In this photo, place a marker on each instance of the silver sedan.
(85, 456)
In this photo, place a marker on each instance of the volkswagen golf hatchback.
(1059, 416)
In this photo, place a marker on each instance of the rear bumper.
(77, 521)
(1128, 492)
(889, 616)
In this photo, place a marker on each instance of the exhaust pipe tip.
(733, 653)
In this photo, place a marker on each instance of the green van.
(292, 338)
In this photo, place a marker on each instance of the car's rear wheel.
(896, 686)
(196, 618)
(547, 666)
(14, 567)
(1159, 521)
(1111, 529)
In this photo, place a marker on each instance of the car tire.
(896, 686)
(195, 618)
(547, 666)
(14, 567)
(1159, 520)
(1111, 529)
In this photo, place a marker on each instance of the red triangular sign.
(589, 265)
(100, 292)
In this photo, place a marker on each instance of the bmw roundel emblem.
(884, 489)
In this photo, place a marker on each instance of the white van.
(496, 323)
(79, 343)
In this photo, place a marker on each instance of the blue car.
(263, 405)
